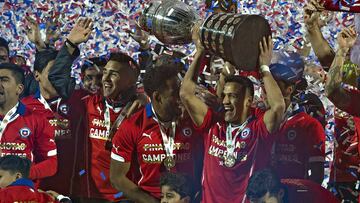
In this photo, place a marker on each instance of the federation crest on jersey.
(245, 133)
(187, 132)
(64, 109)
(24, 132)
(291, 135)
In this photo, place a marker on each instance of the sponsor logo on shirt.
(147, 135)
(25, 132)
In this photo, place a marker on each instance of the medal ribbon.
(168, 141)
(230, 140)
(47, 106)
(9, 117)
(110, 128)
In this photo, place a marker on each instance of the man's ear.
(156, 97)
(19, 89)
(249, 101)
(37, 75)
(18, 175)
(186, 199)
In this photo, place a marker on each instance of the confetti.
(82, 172)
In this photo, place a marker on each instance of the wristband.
(71, 44)
(62, 198)
(264, 68)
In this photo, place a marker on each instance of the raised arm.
(196, 108)
(60, 72)
(273, 116)
(312, 21)
(333, 88)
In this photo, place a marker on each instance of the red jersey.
(67, 117)
(140, 142)
(23, 190)
(99, 165)
(252, 151)
(299, 141)
(30, 135)
(346, 152)
(299, 191)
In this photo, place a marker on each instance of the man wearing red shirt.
(265, 186)
(344, 98)
(155, 138)
(299, 148)
(63, 109)
(240, 142)
(104, 115)
(22, 132)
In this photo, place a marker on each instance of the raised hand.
(33, 33)
(140, 36)
(266, 50)
(52, 31)
(81, 31)
(346, 38)
(196, 37)
(312, 11)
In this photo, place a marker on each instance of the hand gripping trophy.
(233, 37)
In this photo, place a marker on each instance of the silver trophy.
(169, 21)
(233, 37)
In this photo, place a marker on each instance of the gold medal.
(169, 162)
(229, 160)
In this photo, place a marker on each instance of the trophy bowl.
(170, 21)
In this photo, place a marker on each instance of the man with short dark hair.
(154, 140)
(239, 142)
(22, 132)
(264, 186)
(63, 107)
(299, 148)
(176, 188)
(91, 73)
(105, 111)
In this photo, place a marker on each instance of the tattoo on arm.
(334, 90)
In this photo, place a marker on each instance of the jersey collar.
(23, 182)
(21, 109)
(149, 112)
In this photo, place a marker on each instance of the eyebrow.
(4, 77)
(112, 70)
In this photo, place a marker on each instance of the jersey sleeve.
(316, 142)
(354, 107)
(209, 120)
(260, 127)
(45, 152)
(123, 143)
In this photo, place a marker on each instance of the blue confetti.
(82, 172)
(118, 195)
(102, 175)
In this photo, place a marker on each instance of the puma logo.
(147, 135)
(116, 148)
(100, 111)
